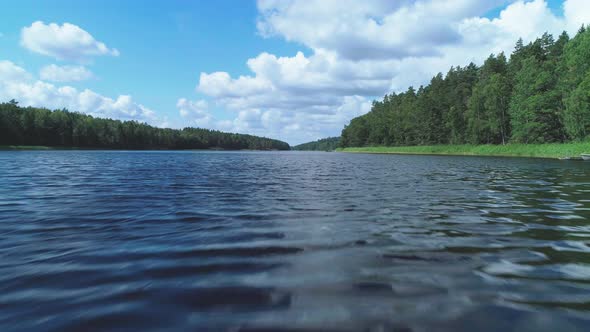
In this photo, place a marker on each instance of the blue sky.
(234, 65)
(164, 45)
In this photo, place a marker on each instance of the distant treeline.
(325, 144)
(61, 128)
(540, 95)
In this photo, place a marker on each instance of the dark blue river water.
(292, 241)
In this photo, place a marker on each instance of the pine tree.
(488, 120)
(534, 103)
(541, 95)
(575, 69)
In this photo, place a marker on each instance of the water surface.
(292, 241)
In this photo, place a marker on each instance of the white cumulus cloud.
(359, 50)
(577, 12)
(369, 29)
(63, 42)
(196, 111)
(9, 72)
(16, 83)
(57, 73)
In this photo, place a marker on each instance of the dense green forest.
(61, 128)
(540, 95)
(324, 144)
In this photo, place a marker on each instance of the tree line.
(62, 128)
(324, 144)
(540, 95)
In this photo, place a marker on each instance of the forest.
(324, 144)
(20, 126)
(541, 94)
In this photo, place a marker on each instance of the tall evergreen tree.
(540, 95)
(60, 128)
(488, 106)
(534, 118)
(575, 68)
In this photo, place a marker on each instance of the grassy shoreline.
(554, 151)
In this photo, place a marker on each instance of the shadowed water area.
(292, 241)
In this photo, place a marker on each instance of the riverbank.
(42, 147)
(555, 151)
(29, 147)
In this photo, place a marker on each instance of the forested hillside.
(540, 95)
(324, 144)
(61, 128)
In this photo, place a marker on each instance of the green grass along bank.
(510, 150)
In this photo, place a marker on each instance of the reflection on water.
(248, 241)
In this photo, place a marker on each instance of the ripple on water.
(250, 241)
